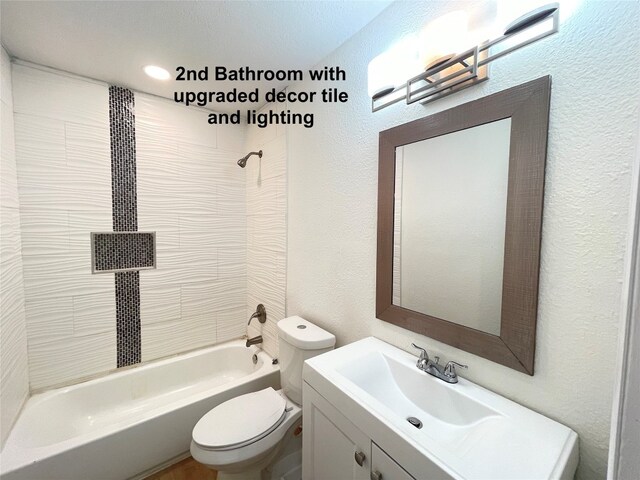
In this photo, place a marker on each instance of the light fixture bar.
(380, 106)
(450, 81)
(424, 89)
(554, 28)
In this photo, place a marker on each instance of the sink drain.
(415, 422)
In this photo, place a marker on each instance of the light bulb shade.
(393, 67)
(445, 36)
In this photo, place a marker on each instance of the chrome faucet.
(447, 373)
(254, 340)
(260, 314)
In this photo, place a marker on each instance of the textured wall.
(192, 193)
(64, 180)
(267, 229)
(593, 131)
(189, 190)
(14, 377)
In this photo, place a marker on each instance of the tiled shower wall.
(64, 181)
(192, 193)
(189, 191)
(14, 380)
(267, 228)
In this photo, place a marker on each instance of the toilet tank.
(299, 339)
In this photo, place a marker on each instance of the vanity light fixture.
(448, 74)
(158, 73)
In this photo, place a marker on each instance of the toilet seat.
(253, 451)
(240, 421)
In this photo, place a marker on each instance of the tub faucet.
(260, 314)
(445, 373)
(254, 340)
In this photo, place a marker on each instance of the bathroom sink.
(408, 392)
(468, 431)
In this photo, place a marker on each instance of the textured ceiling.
(112, 41)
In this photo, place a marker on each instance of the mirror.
(450, 214)
(459, 223)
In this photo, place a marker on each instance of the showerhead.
(243, 161)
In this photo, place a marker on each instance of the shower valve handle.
(260, 314)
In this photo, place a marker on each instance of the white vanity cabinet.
(370, 413)
(332, 446)
(383, 467)
(335, 449)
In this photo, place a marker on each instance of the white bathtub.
(126, 423)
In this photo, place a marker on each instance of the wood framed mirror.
(460, 196)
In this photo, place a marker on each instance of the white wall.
(14, 379)
(593, 130)
(267, 228)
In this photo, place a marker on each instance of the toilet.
(243, 436)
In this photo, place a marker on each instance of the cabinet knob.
(376, 475)
(359, 456)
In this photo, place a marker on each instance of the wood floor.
(187, 469)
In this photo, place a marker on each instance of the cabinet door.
(332, 446)
(383, 467)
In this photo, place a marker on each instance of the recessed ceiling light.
(158, 73)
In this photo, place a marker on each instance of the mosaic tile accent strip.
(123, 159)
(125, 219)
(119, 251)
(129, 344)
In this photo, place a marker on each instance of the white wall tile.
(48, 276)
(258, 137)
(208, 165)
(49, 319)
(10, 248)
(71, 359)
(57, 167)
(40, 145)
(192, 193)
(168, 338)
(159, 304)
(232, 262)
(63, 97)
(231, 323)
(205, 298)
(82, 223)
(88, 155)
(93, 314)
(274, 158)
(14, 375)
(174, 121)
(9, 177)
(267, 231)
(6, 94)
(64, 184)
(231, 138)
(44, 233)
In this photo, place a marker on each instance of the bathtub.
(127, 423)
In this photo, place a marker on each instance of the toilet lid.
(241, 420)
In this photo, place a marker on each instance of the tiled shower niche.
(122, 251)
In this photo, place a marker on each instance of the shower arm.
(243, 161)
